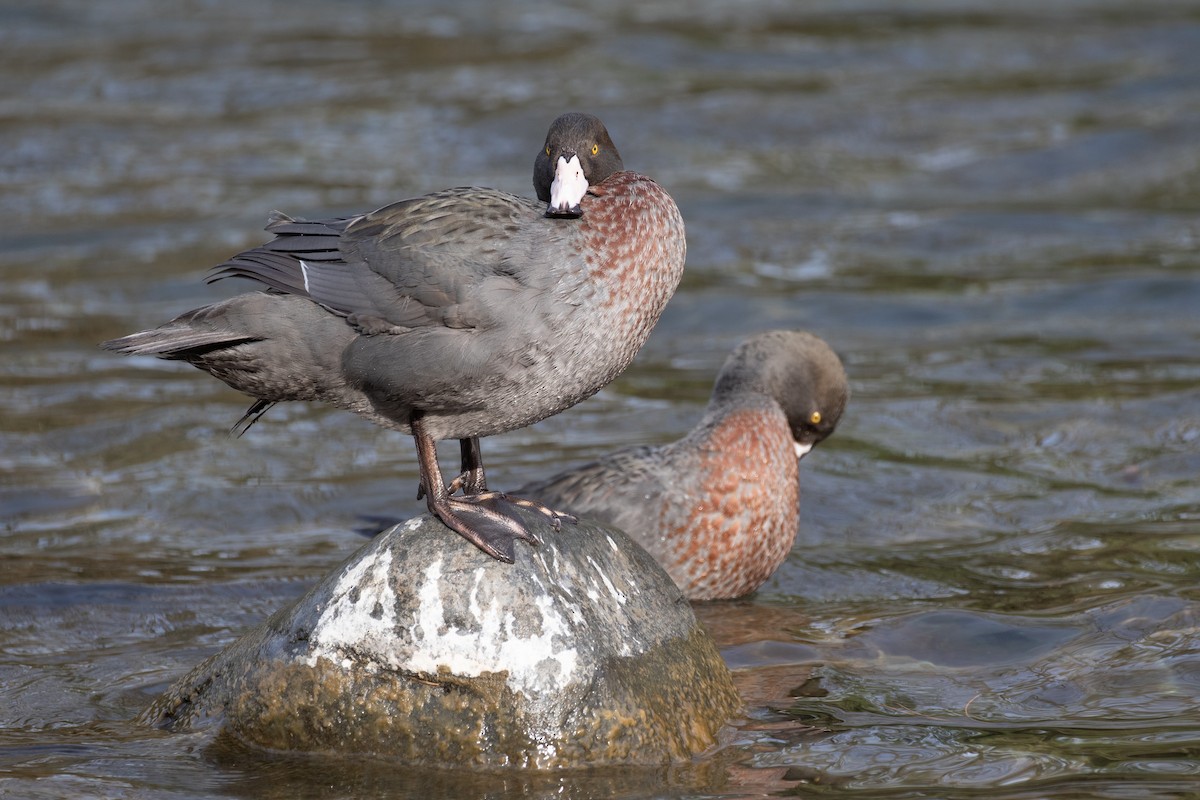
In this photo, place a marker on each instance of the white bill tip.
(801, 449)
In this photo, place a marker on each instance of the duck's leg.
(485, 520)
(471, 480)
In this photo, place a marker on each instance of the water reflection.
(989, 211)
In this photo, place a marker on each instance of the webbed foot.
(556, 517)
(488, 521)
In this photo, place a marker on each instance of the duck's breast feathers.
(632, 183)
(631, 204)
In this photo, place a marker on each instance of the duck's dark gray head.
(800, 371)
(578, 153)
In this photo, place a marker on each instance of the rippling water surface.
(990, 210)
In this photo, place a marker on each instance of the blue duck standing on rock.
(719, 509)
(457, 315)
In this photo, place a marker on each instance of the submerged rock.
(422, 648)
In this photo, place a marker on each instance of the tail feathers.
(175, 342)
(273, 347)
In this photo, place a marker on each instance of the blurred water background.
(989, 209)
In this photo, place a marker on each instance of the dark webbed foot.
(488, 521)
(556, 517)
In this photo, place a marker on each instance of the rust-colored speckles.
(636, 225)
(633, 237)
(747, 511)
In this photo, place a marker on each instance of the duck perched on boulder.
(457, 315)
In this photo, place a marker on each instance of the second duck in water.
(456, 315)
(719, 509)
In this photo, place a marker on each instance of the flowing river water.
(990, 210)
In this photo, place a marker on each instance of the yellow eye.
(815, 418)
(547, 149)
(595, 149)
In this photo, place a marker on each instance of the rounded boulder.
(422, 648)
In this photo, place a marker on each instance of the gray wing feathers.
(406, 265)
(607, 489)
(280, 263)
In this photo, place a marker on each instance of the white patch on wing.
(569, 185)
(304, 274)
